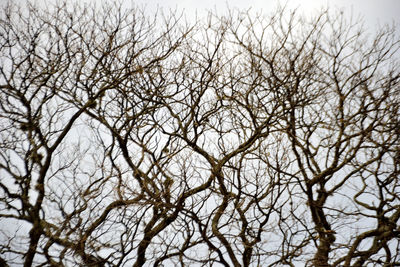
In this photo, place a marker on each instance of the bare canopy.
(137, 139)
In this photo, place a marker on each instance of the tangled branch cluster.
(238, 140)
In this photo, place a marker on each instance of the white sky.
(374, 12)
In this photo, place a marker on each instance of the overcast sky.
(374, 12)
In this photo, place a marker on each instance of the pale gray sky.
(374, 12)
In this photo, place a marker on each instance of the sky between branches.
(374, 12)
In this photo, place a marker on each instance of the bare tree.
(236, 140)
